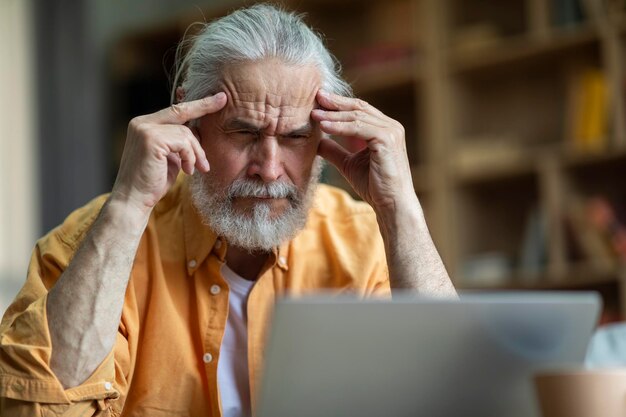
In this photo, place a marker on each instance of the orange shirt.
(165, 360)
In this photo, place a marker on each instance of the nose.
(266, 160)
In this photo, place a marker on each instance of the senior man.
(154, 300)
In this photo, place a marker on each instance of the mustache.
(243, 187)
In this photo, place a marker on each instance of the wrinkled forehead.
(270, 93)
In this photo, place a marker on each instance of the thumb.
(333, 153)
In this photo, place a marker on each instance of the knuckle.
(178, 110)
(141, 131)
(135, 123)
(361, 104)
(184, 130)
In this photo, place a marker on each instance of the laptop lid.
(472, 357)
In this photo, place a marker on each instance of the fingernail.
(220, 95)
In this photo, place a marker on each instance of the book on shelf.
(496, 268)
(587, 111)
(597, 234)
(567, 13)
(487, 269)
(533, 256)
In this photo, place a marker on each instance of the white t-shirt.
(232, 368)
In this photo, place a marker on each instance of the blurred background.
(514, 113)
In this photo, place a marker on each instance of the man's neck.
(245, 264)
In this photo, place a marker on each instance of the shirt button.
(282, 261)
(218, 244)
(207, 358)
(215, 289)
(192, 263)
(108, 386)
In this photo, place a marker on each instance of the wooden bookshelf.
(484, 90)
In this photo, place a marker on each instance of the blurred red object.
(602, 215)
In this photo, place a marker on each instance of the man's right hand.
(158, 146)
(85, 305)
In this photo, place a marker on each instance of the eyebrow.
(238, 124)
(305, 129)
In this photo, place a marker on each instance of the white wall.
(18, 161)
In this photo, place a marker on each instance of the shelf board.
(520, 48)
(579, 276)
(380, 77)
(495, 169)
(574, 159)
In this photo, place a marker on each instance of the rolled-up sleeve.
(28, 386)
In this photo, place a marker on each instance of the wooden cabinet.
(514, 113)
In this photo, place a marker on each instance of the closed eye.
(245, 132)
(298, 136)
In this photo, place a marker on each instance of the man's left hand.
(380, 173)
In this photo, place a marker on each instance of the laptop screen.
(410, 356)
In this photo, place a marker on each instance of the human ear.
(180, 94)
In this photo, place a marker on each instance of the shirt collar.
(199, 238)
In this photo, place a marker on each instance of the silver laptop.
(473, 357)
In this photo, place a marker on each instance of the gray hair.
(252, 34)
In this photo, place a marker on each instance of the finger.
(353, 128)
(173, 164)
(347, 116)
(187, 159)
(332, 101)
(202, 162)
(173, 143)
(333, 153)
(183, 112)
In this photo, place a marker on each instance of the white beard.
(256, 230)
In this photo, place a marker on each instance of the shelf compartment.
(520, 49)
(491, 221)
(402, 103)
(382, 77)
(597, 175)
(523, 105)
(478, 21)
(387, 32)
